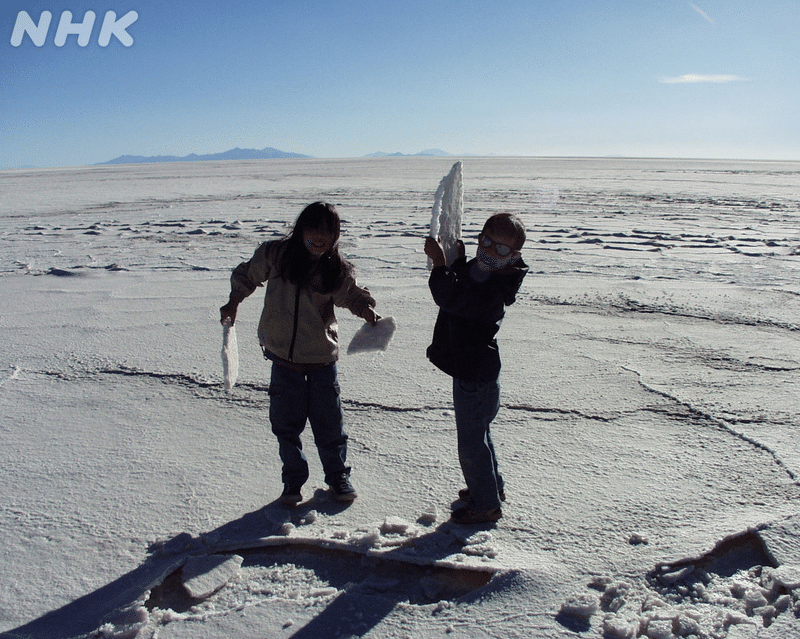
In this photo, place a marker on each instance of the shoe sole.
(474, 519)
(463, 495)
(344, 496)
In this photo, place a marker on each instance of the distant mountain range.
(267, 153)
(428, 153)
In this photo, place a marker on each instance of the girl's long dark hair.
(296, 262)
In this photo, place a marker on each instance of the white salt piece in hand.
(447, 211)
(230, 355)
(373, 338)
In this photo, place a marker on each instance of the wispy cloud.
(702, 13)
(697, 78)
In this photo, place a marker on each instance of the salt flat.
(650, 390)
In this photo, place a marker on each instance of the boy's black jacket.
(470, 312)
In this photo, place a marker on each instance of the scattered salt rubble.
(213, 578)
(414, 543)
(731, 592)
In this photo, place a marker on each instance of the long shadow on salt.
(358, 583)
(361, 590)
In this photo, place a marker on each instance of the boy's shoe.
(466, 515)
(342, 488)
(291, 495)
(463, 494)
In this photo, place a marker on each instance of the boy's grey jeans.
(476, 404)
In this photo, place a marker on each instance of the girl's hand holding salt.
(369, 315)
(228, 312)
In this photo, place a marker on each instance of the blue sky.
(335, 78)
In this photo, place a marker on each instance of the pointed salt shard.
(448, 206)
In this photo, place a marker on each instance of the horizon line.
(392, 157)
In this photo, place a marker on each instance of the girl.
(306, 277)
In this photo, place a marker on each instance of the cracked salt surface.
(116, 430)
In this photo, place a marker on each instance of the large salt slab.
(204, 575)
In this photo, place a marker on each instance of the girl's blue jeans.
(314, 397)
(476, 405)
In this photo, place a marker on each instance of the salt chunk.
(581, 606)
(600, 582)
(204, 575)
(371, 537)
(395, 525)
(783, 602)
(620, 627)
(787, 576)
(673, 577)
(429, 516)
(735, 618)
(653, 602)
(637, 540)
(482, 537)
(767, 612)
(659, 629)
(738, 589)
(754, 599)
(687, 625)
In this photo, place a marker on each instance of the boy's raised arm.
(434, 251)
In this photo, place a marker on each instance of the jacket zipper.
(296, 318)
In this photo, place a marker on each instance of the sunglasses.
(501, 249)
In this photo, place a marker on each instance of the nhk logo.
(66, 27)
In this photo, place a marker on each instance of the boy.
(472, 297)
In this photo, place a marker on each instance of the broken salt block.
(397, 526)
(204, 575)
(788, 576)
(580, 606)
(620, 627)
(373, 338)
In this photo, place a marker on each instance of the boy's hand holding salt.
(434, 251)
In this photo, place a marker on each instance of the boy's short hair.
(507, 224)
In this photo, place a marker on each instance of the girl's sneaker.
(342, 488)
